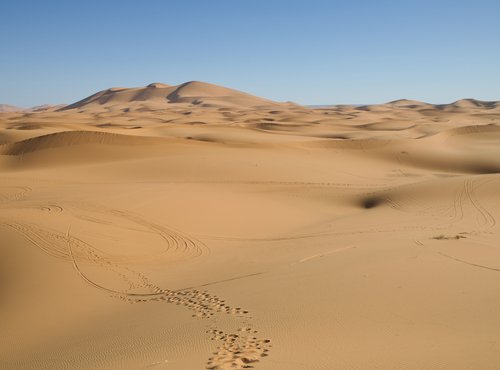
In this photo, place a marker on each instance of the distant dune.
(465, 104)
(158, 96)
(46, 107)
(5, 108)
(405, 103)
(199, 227)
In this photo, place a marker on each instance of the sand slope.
(194, 227)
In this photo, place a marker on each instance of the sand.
(198, 227)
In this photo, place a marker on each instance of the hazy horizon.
(317, 105)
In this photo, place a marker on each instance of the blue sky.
(310, 52)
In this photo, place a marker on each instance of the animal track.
(205, 305)
(237, 351)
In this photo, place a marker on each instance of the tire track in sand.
(240, 349)
(487, 218)
(467, 195)
(177, 245)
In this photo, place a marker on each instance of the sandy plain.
(198, 227)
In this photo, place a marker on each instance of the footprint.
(237, 352)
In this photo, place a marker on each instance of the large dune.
(157, 96)
(198, 227)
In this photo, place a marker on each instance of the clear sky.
(310, 52)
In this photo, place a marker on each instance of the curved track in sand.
(234, 350)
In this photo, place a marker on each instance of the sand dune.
(411, 104)
(472, 104)
(72, 138)
(4, 108)
(198, 227)
(158, 95)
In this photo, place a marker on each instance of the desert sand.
(199, 227)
